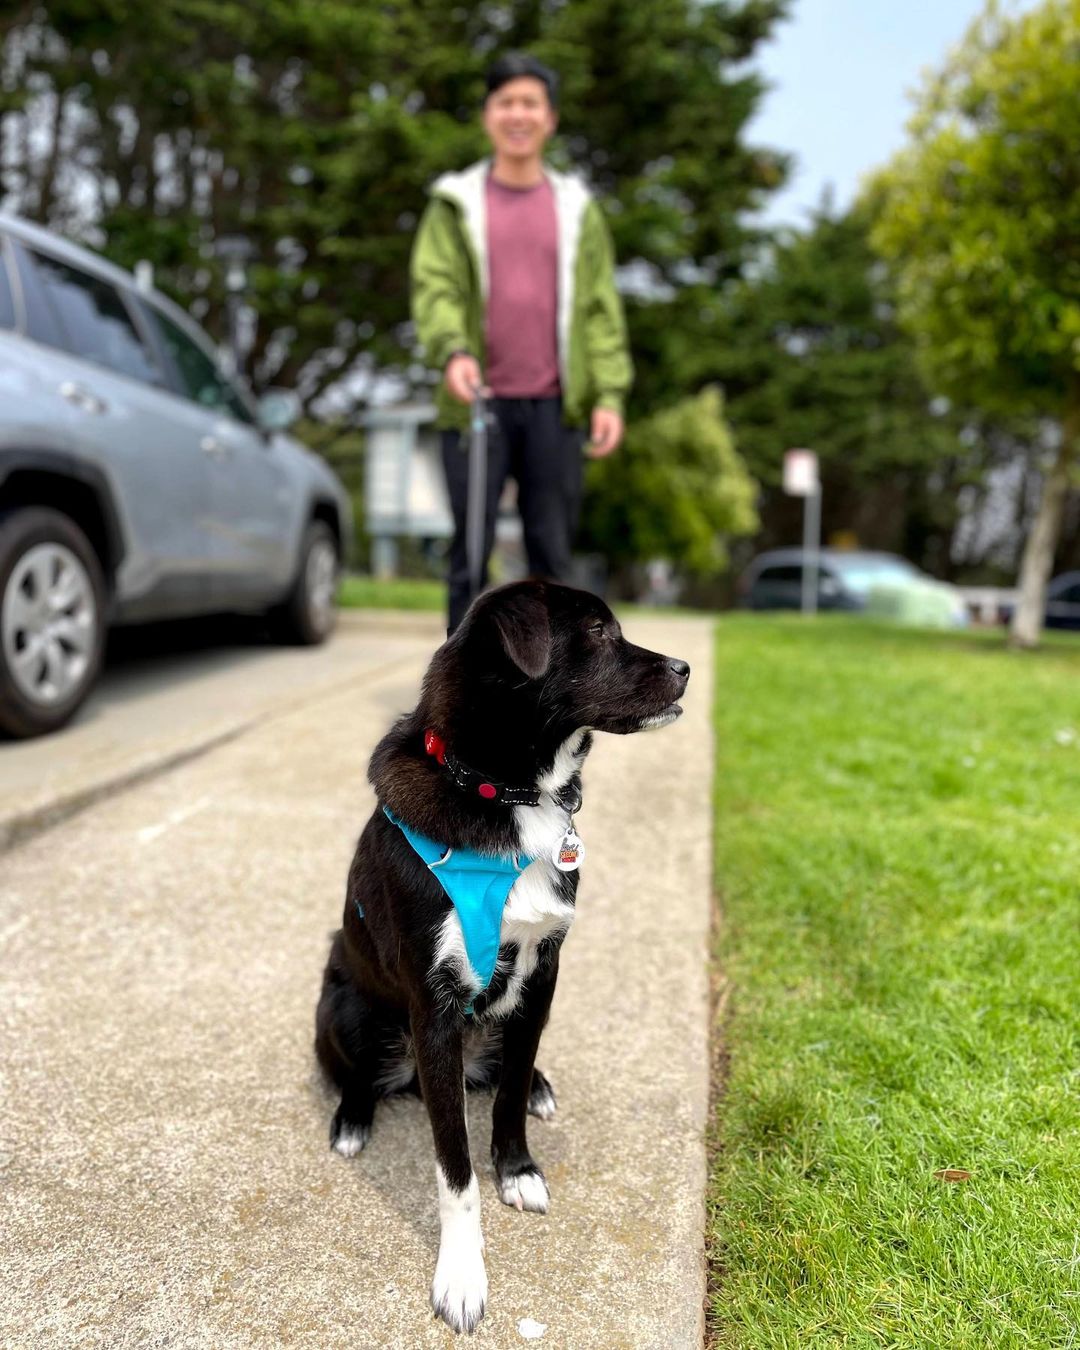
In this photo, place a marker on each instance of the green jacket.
(449, 273)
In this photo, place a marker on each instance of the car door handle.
(210, 445)
(82, 397)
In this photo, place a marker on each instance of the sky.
(840, 71)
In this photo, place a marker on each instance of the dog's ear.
(525, 631)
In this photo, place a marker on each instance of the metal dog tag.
(569, 853)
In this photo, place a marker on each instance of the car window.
(1070, 595)
(768, 575)
(201, 379)
(93, 322)
(7, 300)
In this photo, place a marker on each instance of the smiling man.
(513, 291)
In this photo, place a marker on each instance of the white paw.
(459, 1289)
(528, 1190)
(351, 1140)
(542, 1103)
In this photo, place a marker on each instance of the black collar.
(474, 783)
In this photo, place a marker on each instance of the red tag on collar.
(435, 745)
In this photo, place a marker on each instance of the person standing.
(513, 292)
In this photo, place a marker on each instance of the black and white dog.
(462, 889)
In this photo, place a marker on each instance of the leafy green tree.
(981, 216)
(156, 131)
(680, 491)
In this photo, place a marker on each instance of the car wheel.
(52, 620)
(310, 613)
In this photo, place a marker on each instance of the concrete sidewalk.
(163, 1153)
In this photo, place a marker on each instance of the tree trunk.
(1042, 541)
(47, 186)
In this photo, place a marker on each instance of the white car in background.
(882, 584)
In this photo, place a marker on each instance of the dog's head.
(558, 656)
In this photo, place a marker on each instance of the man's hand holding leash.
(463, 377)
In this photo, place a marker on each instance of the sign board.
(801, 473)
(405, 487)
(405, 493)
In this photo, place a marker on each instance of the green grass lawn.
(401, 593)
(898, 866)
(362, 592)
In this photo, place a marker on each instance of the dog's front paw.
(459, 1289)
(525, 1190)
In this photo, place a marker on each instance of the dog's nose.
(679, 667)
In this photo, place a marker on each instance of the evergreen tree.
(312, 127)
(810, 354)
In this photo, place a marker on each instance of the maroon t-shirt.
(522, 309)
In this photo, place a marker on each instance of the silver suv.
(137, 480)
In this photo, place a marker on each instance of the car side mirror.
(279, 409)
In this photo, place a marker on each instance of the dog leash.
(476, 494)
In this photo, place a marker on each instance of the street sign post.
(801, 480)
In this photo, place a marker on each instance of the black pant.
(526, 440)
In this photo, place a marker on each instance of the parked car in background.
(854, 581)
(774, 580)
(1062, 603)
(138, 481)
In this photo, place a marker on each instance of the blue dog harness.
(478, 887)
